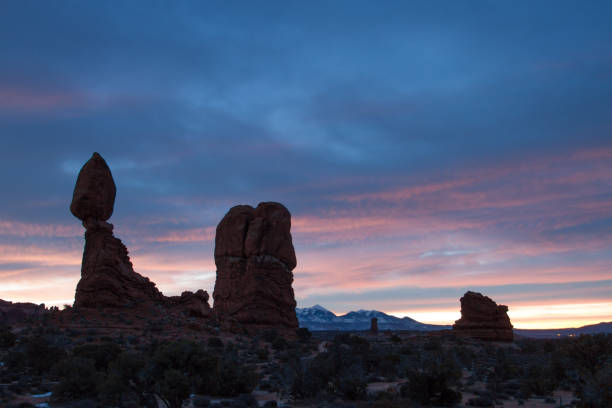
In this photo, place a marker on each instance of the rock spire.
(108, 278)
(255, 258)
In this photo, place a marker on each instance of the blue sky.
(421, 147)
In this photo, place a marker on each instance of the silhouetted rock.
(11, 313)
(195, 304)
(484, 319)
(107, 275)
(94, 192)
(374, 326)
(255, 257)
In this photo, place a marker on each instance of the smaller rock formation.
(483, 319)
(255, 257)
(195, 304)
(374, 326)
(12, 313)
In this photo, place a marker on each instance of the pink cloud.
(26, 99)
(23, 229)
(206, 234)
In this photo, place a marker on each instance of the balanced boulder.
(94, 193)
(108, 279)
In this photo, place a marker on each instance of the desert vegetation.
(314, 370)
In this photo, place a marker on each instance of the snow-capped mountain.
(319, 318)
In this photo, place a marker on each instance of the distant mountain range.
(318, 318)
(549, 333)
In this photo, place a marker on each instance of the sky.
(423, 148)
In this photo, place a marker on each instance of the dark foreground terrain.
(62, 367)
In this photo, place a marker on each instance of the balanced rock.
(94, 193)
(484, 319)
(255, 258)
(108, 278)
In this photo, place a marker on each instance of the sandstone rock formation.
(195, 304)
(484, 319)
(255, 257)
(11, 313)
(107, 275)
(374, 326)
(94, 193)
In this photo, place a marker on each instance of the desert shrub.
(279, 343)
(351, 383)
(504, 369)
(182, 355)
(591, 358)
(188, 357)
(537, 380)
(341, 370)
(270, 335)
(263, 353)
(388, 364)
(7, 338)
(310, 378)
(433, 344)
(200, 401)
(465, 356)
(124, 377)
(356, 342)
(215, 342)
(432, 385)
(78, 378)
(102, 354)
(479, 402)
(174, 388)
(589, 353)
(218, 372)
(232, 378)
(16, 360)
(596, 391)
(303, 334)
(247, 400)
(41, 356)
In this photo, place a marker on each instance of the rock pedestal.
(484, 319)
(255, 257)
(374, 325)
(107, 276)
(108, 279)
